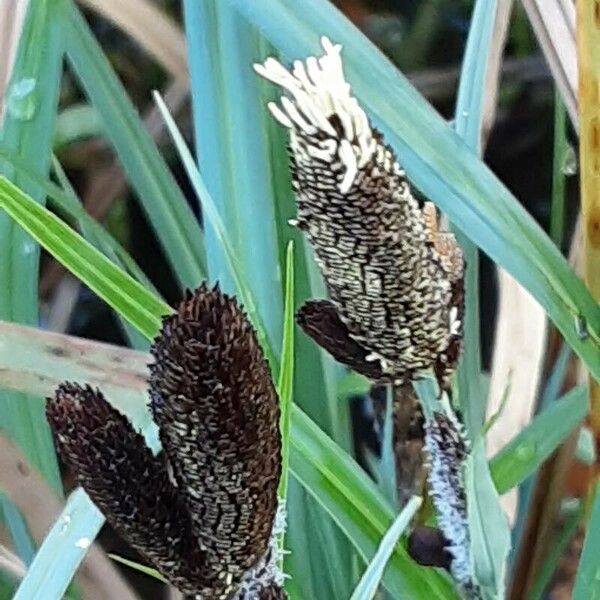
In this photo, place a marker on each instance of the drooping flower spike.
(205, 511)
(394, 280)
(447, 449)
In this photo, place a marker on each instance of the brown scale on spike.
(390, 273)
(216, 407)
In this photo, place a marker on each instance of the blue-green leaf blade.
(27, 129)
(168, 211)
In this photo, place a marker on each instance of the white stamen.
(279, 115)
(318, 90)
(295, 115)
(349, 158)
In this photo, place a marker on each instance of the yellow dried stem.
(588, 47)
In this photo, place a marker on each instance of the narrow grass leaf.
(232, 151)
(285, 385)
(140, 307)
(544, 576)
(387, 464)
(138, 567)
(468, 119)
(103, 243)
(62, 551)
(442, 166)
(587, 581)
(171, 217)
(559, 155)
(212, 214)
(551, 390)
(369, 582)
(68, 203)
(521, 457)
(488, 526)
(27, 129)
(17, 527)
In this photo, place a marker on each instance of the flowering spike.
(447, 449)
(391, 275)
(217, 411)
(130, 486)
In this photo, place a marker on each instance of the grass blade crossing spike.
(27, 130)
(285, 386)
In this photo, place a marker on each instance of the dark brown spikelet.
(427, 546)
(320, 320)
(216, 407)
(388, 269)
(130, 486)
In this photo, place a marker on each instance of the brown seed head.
(214, 402)
(130, 486)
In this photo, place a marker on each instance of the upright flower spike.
(214, 402)
(205, 513)
(394, 280)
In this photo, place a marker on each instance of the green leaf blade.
(468, 120)
(125, 295)
(587, 581)
(531, 447)
(367, 587)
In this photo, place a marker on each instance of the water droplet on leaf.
(21, 99)
(569, 161)
(525, 451)
(581, 327)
